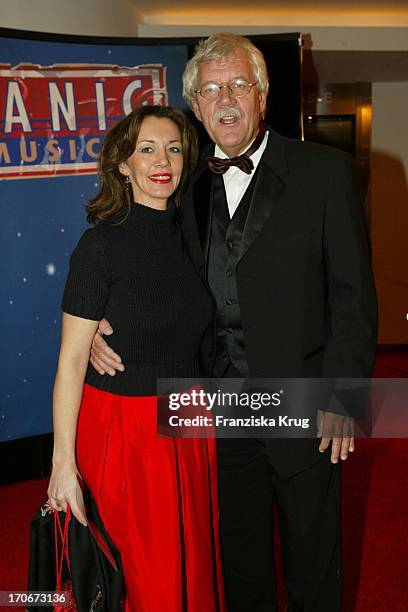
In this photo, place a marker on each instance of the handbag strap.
(98, 536)
(61, 534)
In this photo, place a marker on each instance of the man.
(281, 242)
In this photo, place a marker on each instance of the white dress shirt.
(235, 180)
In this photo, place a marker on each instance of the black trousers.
(308, 511)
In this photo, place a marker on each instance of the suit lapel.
(269, 188)
(195, 214)
(203, 190)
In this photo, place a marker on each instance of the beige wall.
(121, 18)
(85, 17)
(389, 207)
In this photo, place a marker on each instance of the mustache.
(226, 111)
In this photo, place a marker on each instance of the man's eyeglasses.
(236, 87)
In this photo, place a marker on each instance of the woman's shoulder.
(100, 238)
(101, 232)
(92, 235)
(93, 242)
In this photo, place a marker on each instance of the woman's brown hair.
(114, 197)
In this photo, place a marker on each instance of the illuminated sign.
(53, 119)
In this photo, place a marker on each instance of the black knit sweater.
(139, 277)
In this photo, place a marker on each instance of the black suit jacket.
(304, 278)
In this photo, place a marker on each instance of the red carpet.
(18, 504)
(375, 526)
(375, 522)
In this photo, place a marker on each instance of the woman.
(156, 496)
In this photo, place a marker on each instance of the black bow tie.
(243, 162)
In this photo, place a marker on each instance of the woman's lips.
(161, 179)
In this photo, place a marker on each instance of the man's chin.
(230, 140)
(232, 149)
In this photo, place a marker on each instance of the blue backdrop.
(42, 220)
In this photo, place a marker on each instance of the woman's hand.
(64, 489)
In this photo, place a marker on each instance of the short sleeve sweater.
(138, 276)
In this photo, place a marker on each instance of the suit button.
(228, 302)
(229, 273)
(230, 244)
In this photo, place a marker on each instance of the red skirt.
(158, 500)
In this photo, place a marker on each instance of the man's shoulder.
(205, 151)
(307, 153)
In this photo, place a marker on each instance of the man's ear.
(123, 168)
(196, 109)
(262, 104)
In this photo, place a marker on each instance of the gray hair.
(217, 47)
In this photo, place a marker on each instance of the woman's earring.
(127, 182)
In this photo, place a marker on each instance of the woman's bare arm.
(76, 340)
